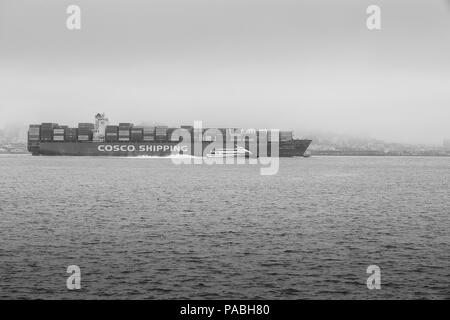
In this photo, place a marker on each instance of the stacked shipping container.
(85, 131)
(149, 133)
(47, 131)
(71, 134)
(34, 133)
(58, 133)
(124, 131)
(136, 134)
(112, 133)
(161, 132)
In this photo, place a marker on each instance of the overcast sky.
(289, 64)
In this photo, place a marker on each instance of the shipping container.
(34, 132)
(46, 137)
(137, 131)
(46, 132)
(71, 131)
(86, 126)
(58, 138)
(84, 131)
(136, 137)
(48, 125)
(34, 137)
(83, 138)
(112, 128)
(161, 130)
(111, 138)
(70, 138)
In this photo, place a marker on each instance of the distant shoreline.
(380, 154)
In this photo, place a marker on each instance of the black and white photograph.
(224, 154)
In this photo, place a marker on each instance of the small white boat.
(229, 152)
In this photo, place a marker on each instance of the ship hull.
(154, 149)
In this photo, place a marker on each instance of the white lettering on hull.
(141, 148)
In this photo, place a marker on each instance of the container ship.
(127, 140)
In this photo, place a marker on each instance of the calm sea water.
(148, 229)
